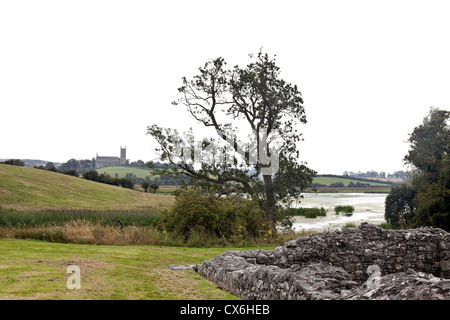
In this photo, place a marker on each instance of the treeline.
(374, 174)
(50, 167)
(351, 184)
(82, 166)
(149, 164)
(68, 169)
(75, 167)
(157, 179)
(360, 182)
(93, 175)
(160, 180)
(14, 162)
(79, 165)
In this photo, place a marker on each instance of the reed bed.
(52, 217)
(305, 212)
(102, 228)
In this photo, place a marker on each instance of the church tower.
(123, 155)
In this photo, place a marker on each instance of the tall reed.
(53, 217)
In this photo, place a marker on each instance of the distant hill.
(335, 183)
(30, 163)
(31, 189)
(329, 179)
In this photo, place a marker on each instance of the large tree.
(430, 161)
(251, 102)
(427, 197)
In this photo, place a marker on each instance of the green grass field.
(122, 171)
(27, 189)
(32, 269)
(59, 210)
(328, 180)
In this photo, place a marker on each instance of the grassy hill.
(24, 188)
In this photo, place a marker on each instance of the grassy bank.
(37, 270)
(27, 189)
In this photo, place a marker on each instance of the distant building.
(101, 162)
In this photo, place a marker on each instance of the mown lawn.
(31, 269)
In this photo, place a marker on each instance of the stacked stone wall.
(344, 264)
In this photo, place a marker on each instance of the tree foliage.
(15, 162)
(255, 116)
(79, 165)
(429, 160)
(400, 207)
(93, 175)
(145, 185)
(230, 218)
(154, 186)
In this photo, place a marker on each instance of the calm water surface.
(368, 208)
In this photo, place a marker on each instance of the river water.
(369, 207)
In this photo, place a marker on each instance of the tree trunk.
(270, 200)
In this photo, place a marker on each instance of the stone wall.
(355, 263)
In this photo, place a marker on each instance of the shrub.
(106, 178)
(337, 185)
(306, 212)
(91, 175)
(154, 186)
(15, 162)
(71, 172)
(400, 207)
(348, 210)
(145, 185)
(200, 215)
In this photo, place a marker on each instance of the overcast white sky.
(81, 77)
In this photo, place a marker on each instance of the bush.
(306, 212)
(15, 162)
(337, 185)
(106, 178)
(91, 175)
(71, 172)
(399, 207)
(199, 215)
(348, 210)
